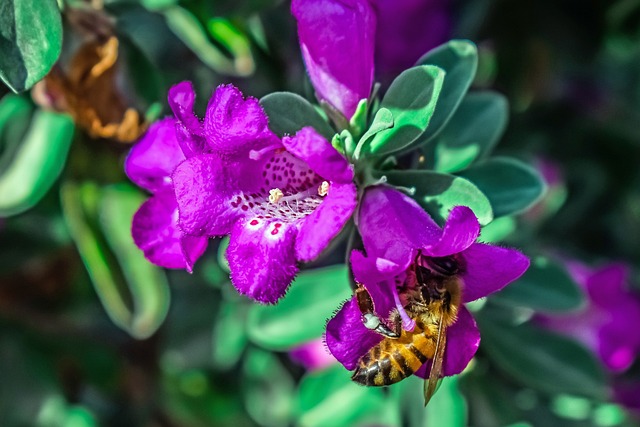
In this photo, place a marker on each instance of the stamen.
(323, 189)
(275, 195)
(257, 154)
(408, 324)
(410, 191)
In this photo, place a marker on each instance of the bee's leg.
(396, 322)
(369, 318)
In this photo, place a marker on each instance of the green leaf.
(498, 229)
(222, 254)
(303, 313)
(188, 29)
(134, 292)
(510, 185)
(540, 359)
(37, 162)
(30, 41)
(229, 335)
(459, 60)
(411, 99)
(358, 121)
(491, 402)
(472, 132)
(288, 113)
(57, 412)
(438, 193)
(447, 408)
(235, 41)
(382, 120)
(268, 389)
(147, 283)
(15, 116)
(329, 398)
(546, 286)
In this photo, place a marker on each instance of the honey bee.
(430, 295)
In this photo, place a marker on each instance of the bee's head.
(442, 266)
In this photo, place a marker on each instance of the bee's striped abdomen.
(393, 360)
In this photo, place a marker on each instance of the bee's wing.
(431, 384)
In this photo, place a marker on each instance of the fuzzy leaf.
(302, 314)
(37, 161)
(134, 292)
(459, 60)
(438, 193)
(546, 286)
(411, 99)
(472, 132)
(289, 112)
(540, 359)
(510, 185)
(30, 41)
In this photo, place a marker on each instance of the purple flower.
(281, 201)
(155, 226)
(603, 324)
(337, 39)
(313, 355)
(407, 29)
(398, 236)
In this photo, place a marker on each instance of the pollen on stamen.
(323, 189)
(275, 194)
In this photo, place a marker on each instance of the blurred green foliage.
(88, 336)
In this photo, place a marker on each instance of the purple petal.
(618, 344)
(152, 160)
(319, 154)
(460, 231)
(182, 99)
(488, 269)
(616, 348)
(582, 326)
(606, 285)
(379, 285)
(373, 270)
(337, 39)
(262, 259)
(204, 190)
(392, 225)
(347, 338)
(188, 127)
(313, 355)
(234, 125)
(463, 339)
(326, 221)
(579, 272)
(155, 231)
(407, 29)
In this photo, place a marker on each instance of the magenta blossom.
(603, 324)
(396, 233)
(337, 38)
(155, 226)
(407, 29)
(338, 41)
(281, 201)
(313, 355)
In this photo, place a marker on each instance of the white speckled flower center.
(290, 192)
